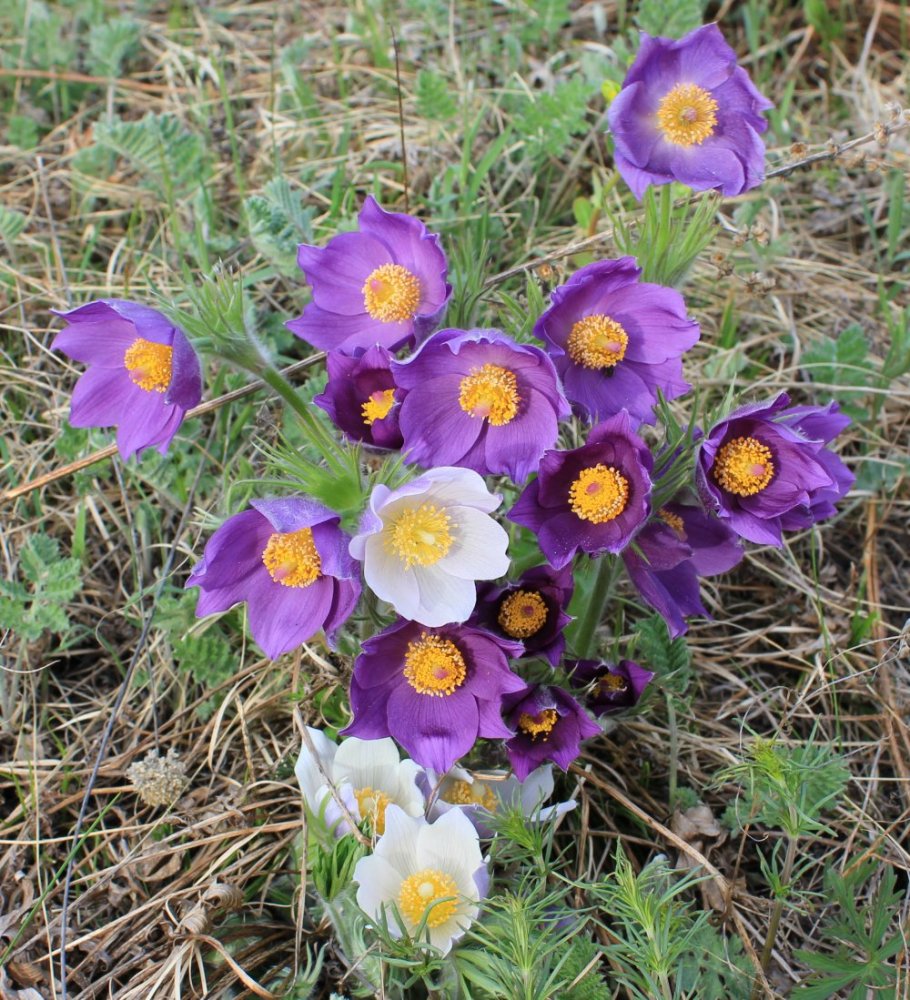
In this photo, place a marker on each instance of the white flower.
(424, 544)
(424, 870)
(368, 774)
(494, 789)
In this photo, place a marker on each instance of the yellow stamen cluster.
(149, 364)
(391, 294)
(292, 559)
(599, 494)
(434, 666)
(538, 725)
(522, 614)
(597, 342)
(491, 393)
(613, 683)
(743, 466)
(425, 889)
(673, 520)
(467, 793)
(421, 535)
(377, 407)
(686, 115)
(372, 805)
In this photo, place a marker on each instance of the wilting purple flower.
(289, 561)
(609, 687)
(549, 724)
(531, 610)
(670, 553)
(765, 468)
(143, 375)
(362, 398)
(385, 284)
(433, 690)
(479, 400)
(616, 341)
(593, 499)
(688, 113)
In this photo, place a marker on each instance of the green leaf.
(23, 132)
(277, 222)
(670, 18)
(434, 96)
(842, 363)
(110, 45)
(549, 121)
(11, 223)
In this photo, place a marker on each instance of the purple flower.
(617, 341)
(593, 499)
(765, 468)
(670, 554)
(479, 400)
(610, 687)
(434, 690)
(688, 113)
(289, 561)
(385, 284)
(143, 375)
(549, 724)
(362, 398)
(530, 610)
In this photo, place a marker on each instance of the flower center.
(292, 559)
(149, 364)
(372, 805)
(421, 535)
(467, 793)
(522, 614)
(377, 406)
(434, 666)
(613, 684)
(597, 342)
(391, 294)
(686, 115)
(425, 889)
(599, 494)
(490, 392)
(743, 466)
(538, 725)
(673, 520)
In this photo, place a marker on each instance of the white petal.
(398, 845)
(443, 598)
(451, 845)
(451, 485)
(409, 796)
(479, 551)
(444, 936)
(307, 770)
(378, 885)
(368, 764)
(387, 577)
(536, 788)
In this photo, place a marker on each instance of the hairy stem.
(778, 910)
(586, 633)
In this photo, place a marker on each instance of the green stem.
(586, 632)
(777, 912)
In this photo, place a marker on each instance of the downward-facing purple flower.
(688, 113)
(609, 687)
(143, 375)
(385, 284)
(617, 341)
(765, 469)
(592, 499)
(288, 560)
(479, 400)
(434, 690)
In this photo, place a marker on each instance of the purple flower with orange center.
(384, 284)
(143, 375)
(549, 724)
(434, 690)
(617, 341)
(592, 499)
(288, 560)
(479, 400)
(765, 469)
(609, 687)
(686, 112)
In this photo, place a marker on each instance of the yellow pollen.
(522, 614)
(538, 725)
(377, 407)
(372, 805)
(421, 535)
(490, 393)
(599, 494)
(149, 364)
(686, 115)
(291, 558)
(420, 896)
(743, 466)
(673, 520)
(611, 683)
(391, 294)
(597, 342)
(466, 793)
(434, 666)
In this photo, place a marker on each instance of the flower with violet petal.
(592, 499)
(686, 112)
(617, 341)
(143, 374)
(424, 544)
(477, 399)
(384, 284)
(430, 874)
(434, 690)
(289, 561)
(609, 687)
(764, 469)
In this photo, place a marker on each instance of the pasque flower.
(143, 375)
(288, 560)
(478, 399)
(609, 687)
(384, 284)
(617, 341)
(687, 112)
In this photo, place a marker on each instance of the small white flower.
(494, 789)
(424, 544)
(424, 870)
(368, 774)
